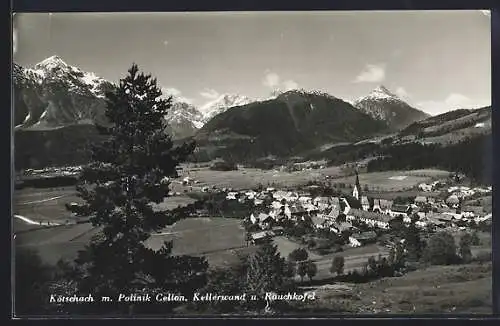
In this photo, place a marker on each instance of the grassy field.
(48, 204)
(246, 178)
(393, 180)
(436, 289)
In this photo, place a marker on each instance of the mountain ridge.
(383, 105)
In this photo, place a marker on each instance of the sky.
(435, 60)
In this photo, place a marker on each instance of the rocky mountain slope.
(383, 105)
(292, 122)
(222, 104)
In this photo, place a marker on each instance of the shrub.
(337, 265)
(441, 249)
(483, 256)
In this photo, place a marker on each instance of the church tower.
(356, 192)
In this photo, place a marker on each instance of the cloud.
(289, 85)
(458, 100)
(165, 42)
(401, 92)
(371, 74)
(210, 94)
(175, 93)
(273, 81)
(171, 91)
(453, 101)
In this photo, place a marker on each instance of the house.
(397, 210)
(258, 202)
(265, 220)
(420, 200)
(324, 200)
(376, 206)
(279, 195)
(322, 203)
(318, 221)
(260, 237)
(347, 207)
(365, 237)
(436, 222)
(371, 218)
(353, 242)
(278, 230)
(344, 226)
(365, 204)
(385, 206)
(253, 219)
(445, 218)
(305, 200)
(231, 195)
(425, 187)
(250, 194)
(334, 213)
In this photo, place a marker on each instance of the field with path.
(394, 180)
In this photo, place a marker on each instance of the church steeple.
(356, 192)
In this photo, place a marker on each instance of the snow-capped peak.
(382, 92)
(221, 104)
(379, 93)
(56, 68)
(51, 63)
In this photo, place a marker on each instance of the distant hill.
(292, 122)
(383, 105)
(449, 127)
(54, 147)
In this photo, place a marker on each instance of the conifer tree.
(129, 174)
(266, 270)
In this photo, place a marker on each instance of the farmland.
(394, 181)
(247, 178)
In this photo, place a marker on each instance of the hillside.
(54, 147)
(449, 127)
(383, 105)
(294, 121)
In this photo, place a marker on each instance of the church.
(356, 193)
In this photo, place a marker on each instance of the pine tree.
(311, 270)
(120, 187)
(302, 270)
(413, 242)
(337, 265)
(266, 270)
(464, 247)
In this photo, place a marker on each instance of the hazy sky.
(436, 60)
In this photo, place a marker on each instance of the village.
(354, 219)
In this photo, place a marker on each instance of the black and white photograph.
(251, 163)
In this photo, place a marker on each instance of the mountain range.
(383, 105)
(54, 95)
